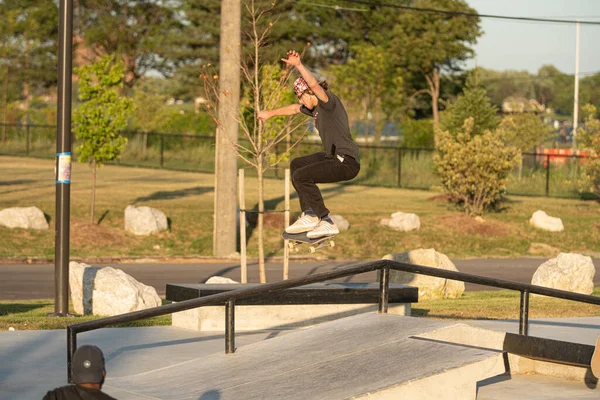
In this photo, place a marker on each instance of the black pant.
(307, 171)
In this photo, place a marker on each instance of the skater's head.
(87, 367)
(305, 95)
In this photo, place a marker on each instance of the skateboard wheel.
(332, 243)
(312, 249)
(290, 245)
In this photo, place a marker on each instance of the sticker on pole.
(63, 173)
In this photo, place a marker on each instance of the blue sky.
(529, 45)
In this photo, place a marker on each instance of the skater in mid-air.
(340, 161)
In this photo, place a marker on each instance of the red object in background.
(560, 156)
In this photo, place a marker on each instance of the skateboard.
(595, 364)
(296, 239)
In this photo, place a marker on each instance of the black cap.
(87, 365)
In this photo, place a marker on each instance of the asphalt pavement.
(36, 281)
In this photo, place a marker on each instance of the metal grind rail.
(228, 299)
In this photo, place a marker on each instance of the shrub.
(474, 169)
(590, 139)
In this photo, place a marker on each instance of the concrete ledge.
(526, 354)
(212, 318)
(288, 309)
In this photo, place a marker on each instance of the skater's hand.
(264, 115)
(293, 58)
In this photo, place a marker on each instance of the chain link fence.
(555, 175)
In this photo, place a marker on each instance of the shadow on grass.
(175, 194)
(426, 313)
(19, 308)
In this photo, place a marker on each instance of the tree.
(472, 103)
(417, 133)
(28, 48)
(590, 139)
(144, 34)
(524, 131)
(369, 81)
(266, 87)
(101, 115)
(428, 44)
(474, 169)
(331, 29)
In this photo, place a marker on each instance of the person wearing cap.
(339, 162)
(88, 373)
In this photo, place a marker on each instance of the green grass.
(187, 200)
(502, 304)
(33, 315)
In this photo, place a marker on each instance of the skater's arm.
(311, 81)
(292, 109)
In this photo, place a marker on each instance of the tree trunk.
(434, 90)
(225, 226)
(378, 122)
(93, 202)
(26, 86)
(261, 214)
(5, 106)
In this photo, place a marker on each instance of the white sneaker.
(304, 223)
(326, 227)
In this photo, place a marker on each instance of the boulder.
(429, 287)
(23, 217)
(341, 222)
(569, 271)
(220, 279)
(541, 220)
(108, 291)
(144, 221)
(403, 222)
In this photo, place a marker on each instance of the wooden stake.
(242, 200)
(286, 249)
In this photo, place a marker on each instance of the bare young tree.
(265, 87)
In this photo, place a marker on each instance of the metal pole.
(547, 175)
(384, 284)
(63, 160)
(524, 313)
(71, 347)
(576, 94)
(230, 327)
(28, 135)
(242, 199)
(162, 150)
(286, 249)
(399, 167)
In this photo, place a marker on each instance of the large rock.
(144, 221)
(108, 291)
(23, 217)
(541, 220)
(341, 222)
(569, 271)
(429, 287)
(403, 222)
(220, 279)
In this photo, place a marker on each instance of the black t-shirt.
(75, 392)
(331, 120)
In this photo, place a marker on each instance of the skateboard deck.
(595, 364)
(296, 239)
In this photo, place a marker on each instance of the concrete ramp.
(370, 356)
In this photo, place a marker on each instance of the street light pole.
(63, 161)
(576, 94)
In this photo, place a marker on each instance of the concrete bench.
(288, 309)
